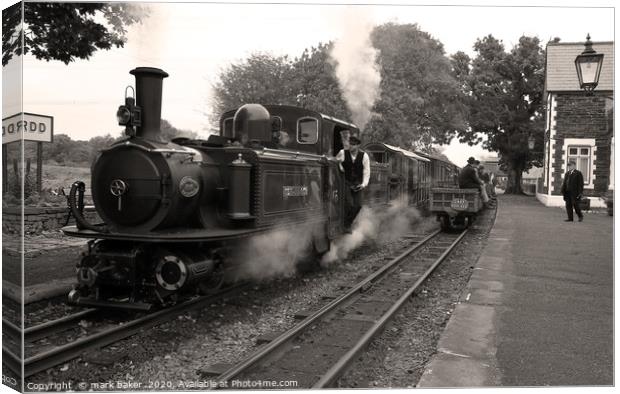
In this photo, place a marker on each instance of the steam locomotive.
(173, 211)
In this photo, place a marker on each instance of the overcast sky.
(193, 42)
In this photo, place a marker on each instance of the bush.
(15, 187)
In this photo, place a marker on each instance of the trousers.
(353, 205)
(572, 204)
(483, 192)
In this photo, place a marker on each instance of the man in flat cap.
(356, 167)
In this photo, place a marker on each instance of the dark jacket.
(353, 169)
(468, 178)
(572, 185)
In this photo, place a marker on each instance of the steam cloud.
(273, 254)
(277, 253)
(378, 226)
(354, 58)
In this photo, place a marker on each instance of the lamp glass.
(588, 70)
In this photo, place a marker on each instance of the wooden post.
(39, 166)
(5, 170)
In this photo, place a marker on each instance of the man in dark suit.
(572, 188)
(468, 178)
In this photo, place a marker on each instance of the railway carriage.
(409, 173)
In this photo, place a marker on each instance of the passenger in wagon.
(356, 167)
(468, 178)
(486, 179)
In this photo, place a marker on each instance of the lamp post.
(588, 65)
(531, 142)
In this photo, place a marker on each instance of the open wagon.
(454, 206)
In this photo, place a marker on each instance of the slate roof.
(561, 74)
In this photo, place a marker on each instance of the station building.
(578, 127)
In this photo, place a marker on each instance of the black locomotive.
(172, 211)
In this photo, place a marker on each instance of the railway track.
(319, 349)
(51, 356)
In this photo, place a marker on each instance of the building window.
(581, 155)
(307, 131)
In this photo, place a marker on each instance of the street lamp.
(531, 142)
(588, 64)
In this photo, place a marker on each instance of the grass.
(55, 176)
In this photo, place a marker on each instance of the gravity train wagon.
(175, 211)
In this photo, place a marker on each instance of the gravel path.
(178, 351)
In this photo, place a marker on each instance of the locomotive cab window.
(307, 131)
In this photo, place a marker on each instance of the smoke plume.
(279, 252)
(379, 227)
(273, 254)
(354, 58)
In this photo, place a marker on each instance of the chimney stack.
(149, 82)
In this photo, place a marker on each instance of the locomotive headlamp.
(129, 115)
(123, 115)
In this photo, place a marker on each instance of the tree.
(316, 86)
(421, 100)
(504, 93)
(168, 131)
(65, 31)
(96, 144)
(262, 78)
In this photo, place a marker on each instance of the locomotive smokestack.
(149, 82)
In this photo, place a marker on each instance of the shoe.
(581, 219)
(568, 220)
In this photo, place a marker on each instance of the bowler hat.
(471, 160)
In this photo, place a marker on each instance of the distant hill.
(65, 151)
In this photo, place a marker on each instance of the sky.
(194, 42)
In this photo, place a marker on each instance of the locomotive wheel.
(310, 261)
(215, 282)
(445, 223)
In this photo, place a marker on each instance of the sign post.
(26, 127)
(5, 172)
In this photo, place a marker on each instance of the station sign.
(30, 127)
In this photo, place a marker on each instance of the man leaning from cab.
(356, 167)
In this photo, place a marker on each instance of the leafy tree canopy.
(65, 31)
(504, 92)
(421, 100)
(261, 78)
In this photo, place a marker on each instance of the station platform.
(538, 310)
